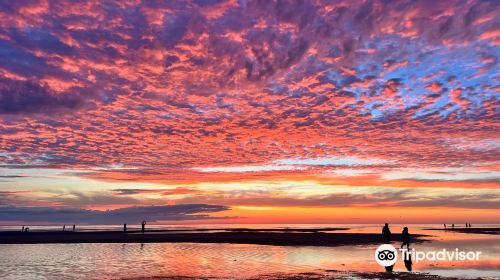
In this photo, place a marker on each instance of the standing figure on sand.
(143, 226)
(386, 233)
(405, 235)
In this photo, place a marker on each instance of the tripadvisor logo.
(386, 255)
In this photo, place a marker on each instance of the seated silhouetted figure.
(406, 238)
(386, 233)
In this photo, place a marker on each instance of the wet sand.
(326, 274)
(238, 236)
(353, 275)
(471, 230)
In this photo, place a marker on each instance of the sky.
(211, 111)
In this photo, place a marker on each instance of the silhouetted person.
(453, 226)
(26, 229)
(124, 227)
(408, 262)
(386, 233)
(444, 226)
(64, 228)
(74, 228)
(470, 225)
(406, 238)
(22, 230)
(143, 226)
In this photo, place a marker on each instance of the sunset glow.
(250, 111)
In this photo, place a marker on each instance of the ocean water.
(115, 261)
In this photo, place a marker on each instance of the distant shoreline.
(471, 230)
(288, 237)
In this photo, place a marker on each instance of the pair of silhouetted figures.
(467, 225)
(25, 229)
(405, 236)
(143, 227)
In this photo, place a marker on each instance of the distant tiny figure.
(444, 226)
(386, 233)
(143, 226)
(470, 225)
(26, 229)
(124, 227)
(406, 238)
(74, 227)
(452, 226)
(466, 225)
(64, 228)
(22, 230)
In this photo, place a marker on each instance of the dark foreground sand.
(325, 274)
(472, 230)
(240, 236)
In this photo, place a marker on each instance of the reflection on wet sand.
(219, 260)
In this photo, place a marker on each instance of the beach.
(271, 252)
(282, 237)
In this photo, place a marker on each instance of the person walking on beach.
(74, 227)
(453, 226)
(444, 226)
(406, 238)
(124, 227)
(386, 233)
(64, 228)
(143, 226)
